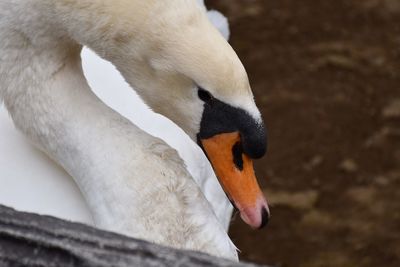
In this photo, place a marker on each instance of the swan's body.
(43, 187)
(157, 46)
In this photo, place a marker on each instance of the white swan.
(39, 186)
(50, 101)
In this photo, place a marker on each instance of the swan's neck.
(158, 43)
(133, 29)
(50, 101)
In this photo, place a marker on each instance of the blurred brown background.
(326, 76)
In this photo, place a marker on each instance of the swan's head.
(191, 75)
(231, 137)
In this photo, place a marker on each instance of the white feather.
(31, 182)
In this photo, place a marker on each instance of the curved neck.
(51, 102)
(154, 44)
(126, 33)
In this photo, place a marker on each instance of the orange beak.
(236, 174)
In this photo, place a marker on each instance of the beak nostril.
(237, 152)
(264, 217)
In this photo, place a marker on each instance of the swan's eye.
(205, 95)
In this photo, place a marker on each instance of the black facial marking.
(237, 156)
(219, 117)
(205, 95)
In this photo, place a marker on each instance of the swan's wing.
(217, 19)
(30, 181)
(220, 22)
(201, 3)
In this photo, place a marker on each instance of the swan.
(48, 183)
(51, 103)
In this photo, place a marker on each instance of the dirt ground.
(326, 76)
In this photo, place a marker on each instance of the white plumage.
(131, 182)
(44, 187)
